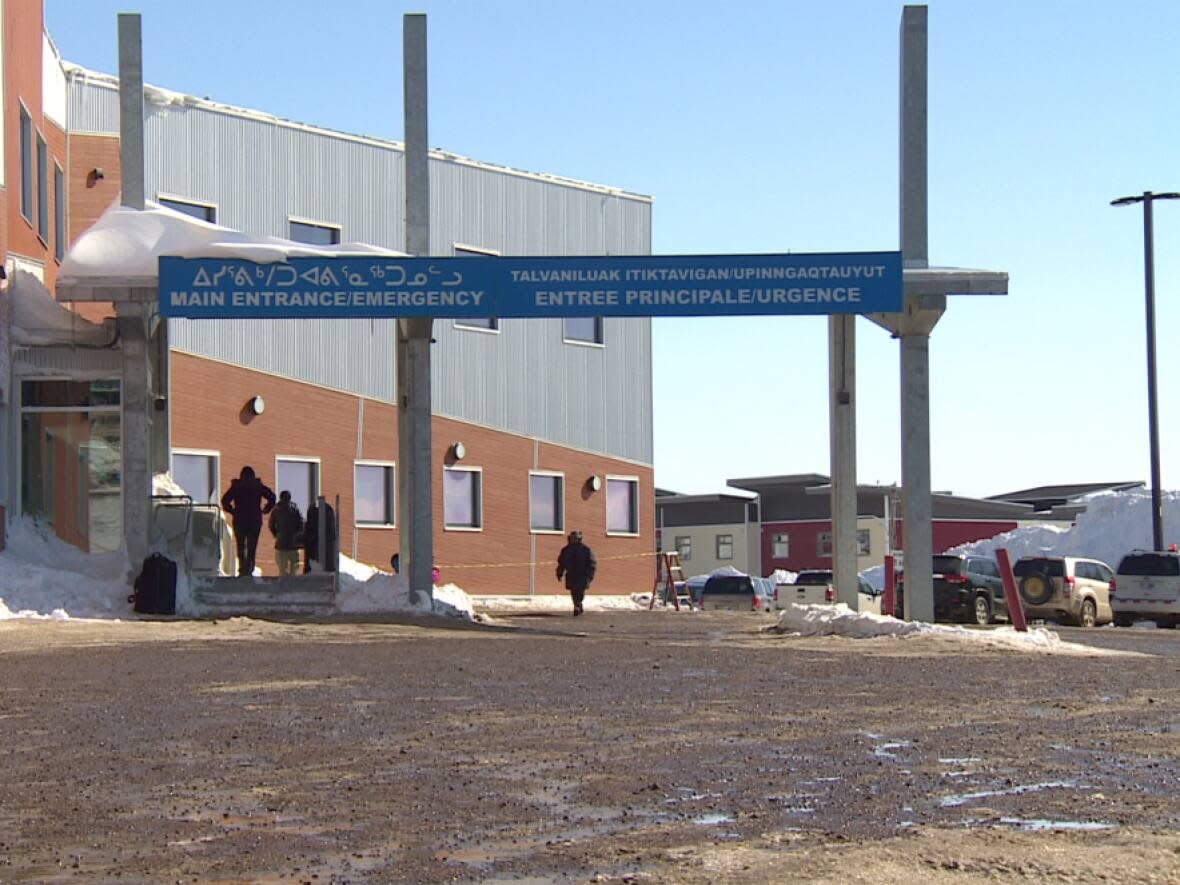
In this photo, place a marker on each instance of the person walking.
(243, 502)
(286, 524)
(577, 565)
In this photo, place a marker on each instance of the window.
(863, 543)
(300, 477)
(487, 324)
(198, 474)
(204, 211)
(622, 506)
(780, 546)
(26, 165)
(71, 445)
(684, 547)
(546, 502)
(59, 213)
(374, 493)
(725, 546)
(314, 234)
(583, 330)
(823, 544)
(42, 190)
(462, 498)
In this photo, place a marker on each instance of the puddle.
(955, 800)
(1039, 824)
(885, 751)
(712, 820)
(959, 760)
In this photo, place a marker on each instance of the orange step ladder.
(669, 581)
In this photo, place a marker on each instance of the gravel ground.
(629, 746)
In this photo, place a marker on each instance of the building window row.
(375, 492)
(34, 152)
(823, 543)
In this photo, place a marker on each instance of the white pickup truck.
(814, 587)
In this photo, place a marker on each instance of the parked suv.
(1065, 588)
(966, 588)
(737, 592)
(1148, 587)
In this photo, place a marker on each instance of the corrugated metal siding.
(260, 173)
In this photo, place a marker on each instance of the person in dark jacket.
(577, 564)
(311, 538)
(286, 524)
(243, 502)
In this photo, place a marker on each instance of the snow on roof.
(123, 247)
(37, 318)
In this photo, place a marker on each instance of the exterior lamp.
(1157, 506)
(595, 483)
(459, 451)
(257, 405)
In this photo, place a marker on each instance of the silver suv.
(1067, 588)
(1148, 587)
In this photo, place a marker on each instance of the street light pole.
(1157, 505)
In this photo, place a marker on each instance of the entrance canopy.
(117, 258)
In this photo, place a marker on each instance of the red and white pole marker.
(889, 597)
(1011, 596)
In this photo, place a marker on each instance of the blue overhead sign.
(631, 285)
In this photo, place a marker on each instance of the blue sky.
(771, 127)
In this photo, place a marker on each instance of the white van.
(1147, 587)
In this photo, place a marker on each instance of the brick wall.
(209, 412)
(90, 196)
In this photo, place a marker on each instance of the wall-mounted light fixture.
(98, 173)
(594, 483)
(257, 405)
(458, 451)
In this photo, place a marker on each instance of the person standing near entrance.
(286, 524)
(243, 501)
(577, 565)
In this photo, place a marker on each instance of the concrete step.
(312, 594)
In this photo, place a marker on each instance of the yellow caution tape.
(444, 567)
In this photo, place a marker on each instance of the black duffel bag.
(155, 587)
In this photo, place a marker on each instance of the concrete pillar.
(912, 148)
(131, 109)
(134, 318)
(842, 430)
(416, 505)
(136, 430)
(915, 341)
(915, 477)
(161, 395)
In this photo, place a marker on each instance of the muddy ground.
(636, 746)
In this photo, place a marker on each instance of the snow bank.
(560, 602)
(1113, 524)
(43, 577)
(363, 588)
(840, 620)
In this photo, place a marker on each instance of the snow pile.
(41, 576)
(363, 588)
(782, 576)
(560, 602)
(1112, 525)
(125, 245)
(840, 620)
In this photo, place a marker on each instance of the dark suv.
(967, 588)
